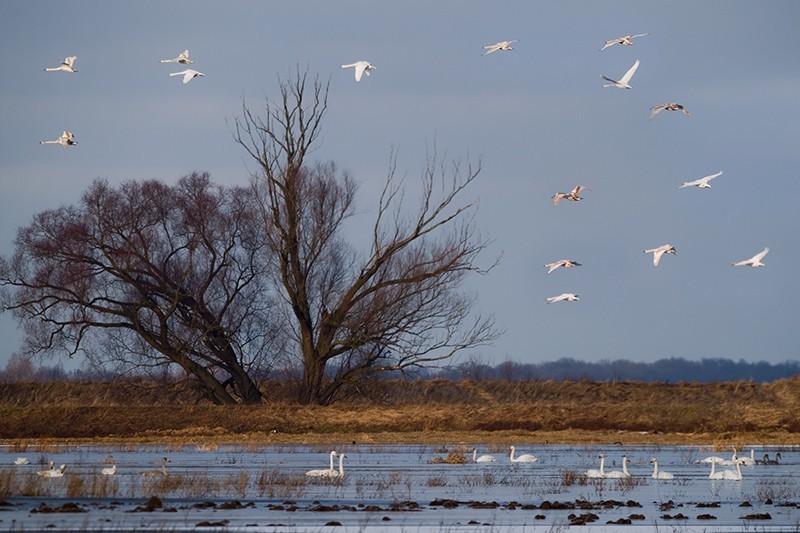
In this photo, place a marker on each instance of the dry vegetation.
(423, 411)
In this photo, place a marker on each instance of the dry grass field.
(411, 412)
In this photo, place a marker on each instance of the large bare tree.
(147, 275)
(397, 305)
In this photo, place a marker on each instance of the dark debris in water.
(68, 507)
(757, 516)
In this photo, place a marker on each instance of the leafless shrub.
(436, 481)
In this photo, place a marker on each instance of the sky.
(537, 117)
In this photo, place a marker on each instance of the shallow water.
(264, 488)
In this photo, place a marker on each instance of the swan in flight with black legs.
(620, 474)
(657, 474)
(362, 67)
(524, 458)
(502, 45)
(66, 139)
(627, 40)
(65, 66)
(324, 472)
(593, 473)
(482, 458)
(183, 59)
(668, 106)
(188, 75)
(566, 263)
(624, 81)
(754, 261)
(661, 250)
(564, 297)
(702, 183)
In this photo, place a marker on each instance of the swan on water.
(657, 474)
(626, 40)
(482, 458)
(188, 75)
(183, 59)
(566, 263)
(563, 297)
(754, 261)
(624, 81)
(65, 66)
(593, 473)
(109, 471)
(620, 474)
(659, 251)
(727, 474)
(322, 472)
(524, 458)
(162, 472)
(52, 472)
(768, 461)
(502, 45)
(21, 461)
(749, 461)
(66, 139)
(361, 67)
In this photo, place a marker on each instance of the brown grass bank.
(424, 411)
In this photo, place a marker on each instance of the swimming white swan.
(659, 251)
(21, 461)
(702, 183)
(524, 458)
(657, 474)
(183, 59)
(626, 40)
(668, 106)
(754, 261)
(52, 472)
(727, 474)
(323, 472)
(188, 75)
(482, 458)
(47, 472)
(110, 471)
(620, 474)
(65, 66)
(592, 473)
(749, 461)
(624, 81)
(340, 472)
(502, 45)
(566, 263)
(362, 67)
(162, 472)
(564, 297)
(66, 139)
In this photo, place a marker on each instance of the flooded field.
(398, 488)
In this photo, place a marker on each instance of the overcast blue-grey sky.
(537, 116)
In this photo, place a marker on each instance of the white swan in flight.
(362, 67)
(564, 297)
(626, 40)
(482, 458)
(624, 81)
(754, 261)
(593, 473)
(162, 472)
(66, 139)
(574, 195)
(324, 472)
(65, 66)
(183, 58)
(702, 183)
(21, 461)
(661, 250)
(657, 474)
(668, 106)
(566, 263)
(727, 474)
(188, 75)
(502, 45)
(524, 458)
(110, 471)
(617, 474)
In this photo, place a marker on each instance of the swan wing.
(628, 75)
(706, 179)
(657, 256)
(70, 60)
(758, 257)
(361, 66)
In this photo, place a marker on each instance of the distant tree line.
(672, 370)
